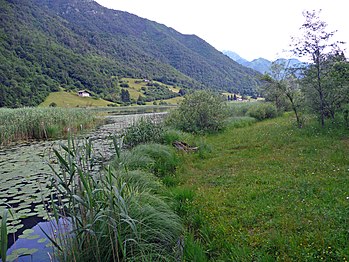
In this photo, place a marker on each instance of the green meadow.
(268, 191)
(70, 99)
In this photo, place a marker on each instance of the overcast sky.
(251, 28)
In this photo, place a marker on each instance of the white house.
(84, 93)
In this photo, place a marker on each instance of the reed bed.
(41, 123)
(116, 215)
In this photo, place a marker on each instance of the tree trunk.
(319, 89)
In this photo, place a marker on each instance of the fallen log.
(184, 146)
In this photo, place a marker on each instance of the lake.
(25, 178)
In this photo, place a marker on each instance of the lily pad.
(42, 240)
(14, 229)
(21, 252)
(28, 232)
(33, 237)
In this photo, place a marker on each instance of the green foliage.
(42, 123)
(193, 249)
(238, 122)
(261, 111)
(346, 114)
(143, 131)
(324, 85)
(183, 198)
(171, 135)
(125, 96)
(3, 236)
(158, 159)
(239, 109)
(155, 91)
(114, 216)
(200, 112)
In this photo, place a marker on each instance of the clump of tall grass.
(41, 123)
(171, 135)
(115, 215)
(158, 159)
(238, 122)
(143, 131)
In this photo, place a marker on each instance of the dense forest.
(73, 44)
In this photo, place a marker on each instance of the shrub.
(237, 109)
(143, 131)
(261, 111)
(200, 112)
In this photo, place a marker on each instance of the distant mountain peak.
(261, 64)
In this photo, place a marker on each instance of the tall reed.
(3, 236)
(114, 215)
(41, 123)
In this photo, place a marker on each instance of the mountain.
(78, 44)
(236, 57)
(262, 65)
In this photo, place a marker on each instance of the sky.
(251, 28)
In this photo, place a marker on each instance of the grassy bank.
(70, 99)
(41, 123)
(269, 191)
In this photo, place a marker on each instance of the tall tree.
(282, 87)
(316, 44)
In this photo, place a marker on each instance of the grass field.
(68, 99)
(270, 192)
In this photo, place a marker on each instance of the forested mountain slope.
(75, 44)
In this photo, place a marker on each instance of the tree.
(337, 80)
(182, 92)
(200, 112)
(316, 45)
(285, 88)
(140, 100)
(125, 96)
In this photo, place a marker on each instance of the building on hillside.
(84, 93)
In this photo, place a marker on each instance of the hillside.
(75, 44)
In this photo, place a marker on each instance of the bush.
(237, 109)
(143, 131)
(261, 111)
(200, 112)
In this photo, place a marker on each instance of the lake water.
(25, 175)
